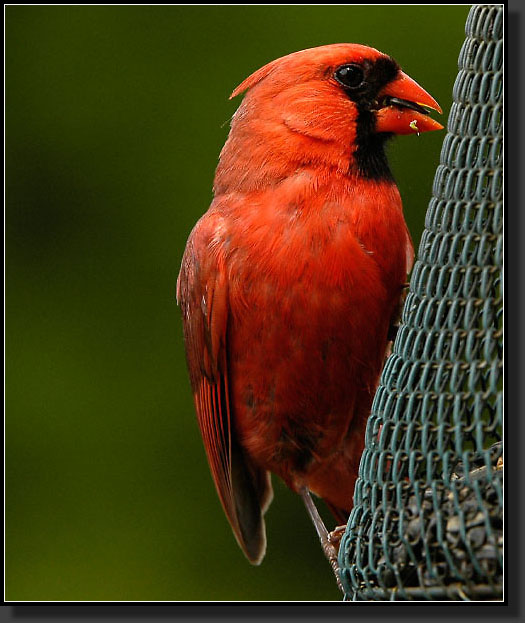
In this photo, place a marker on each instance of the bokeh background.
(115, 117)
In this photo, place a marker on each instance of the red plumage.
(291, 279)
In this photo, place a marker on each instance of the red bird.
(291, 279)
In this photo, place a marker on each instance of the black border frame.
(512, 608)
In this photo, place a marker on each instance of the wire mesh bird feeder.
(427, 522)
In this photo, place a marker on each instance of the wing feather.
(202, 293)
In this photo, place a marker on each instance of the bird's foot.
(336, 535)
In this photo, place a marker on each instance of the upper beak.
(403, 105)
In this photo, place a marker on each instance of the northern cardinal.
(291, 279)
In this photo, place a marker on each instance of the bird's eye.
(350, 76)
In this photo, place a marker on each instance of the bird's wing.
(202, 293)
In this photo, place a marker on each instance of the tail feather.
(252, 493)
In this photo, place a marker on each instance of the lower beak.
(403, 105)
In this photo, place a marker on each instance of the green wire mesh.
(427, 521)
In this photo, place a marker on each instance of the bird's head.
(334, 104)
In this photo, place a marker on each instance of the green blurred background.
(115, 117)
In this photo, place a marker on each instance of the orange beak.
(403, 108)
